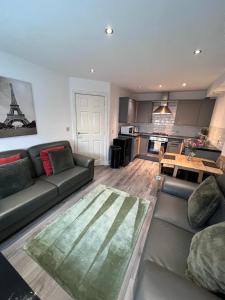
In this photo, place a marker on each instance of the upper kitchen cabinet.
(127, 110)
(144, 111)
(194, 112)
(187, 112)
(205, 113)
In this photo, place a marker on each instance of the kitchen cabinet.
(187, 112)
(135, 151)
(205, 113)
(127, 110)
(144, 111)
(194, 112)
(144, 140)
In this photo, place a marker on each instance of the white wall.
(217, 125)
(51, 101)
(218, 116)
(116, 92)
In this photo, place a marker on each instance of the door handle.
(78, 133)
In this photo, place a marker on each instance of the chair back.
(221, 162)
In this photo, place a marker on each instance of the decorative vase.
(191, 154)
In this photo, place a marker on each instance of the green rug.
(88, 248)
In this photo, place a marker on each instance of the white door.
(90, 126)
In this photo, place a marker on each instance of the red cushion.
(9, 159)
(45, 158)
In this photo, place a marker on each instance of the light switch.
(67, 129)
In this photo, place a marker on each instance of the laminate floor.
(138, 178)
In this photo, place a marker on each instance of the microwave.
(127, 130)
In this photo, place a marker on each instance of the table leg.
(200, 176)
(160, 168)
(175, 171)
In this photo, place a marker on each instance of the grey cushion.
(168, 246)
(34, 153)
(61, 160)
(206, 261)
(221, 182)
(203, 202)
(15, 177)
(69, 179)
(23, 153)
(157, 283)
(219, 214)
(17, 206)
(173, 210)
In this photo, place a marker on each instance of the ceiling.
(152, 44)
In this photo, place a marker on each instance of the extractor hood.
(163, 109)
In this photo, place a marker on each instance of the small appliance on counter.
(127, 130)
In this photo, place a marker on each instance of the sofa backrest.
(219, 215)
(23, 153)
(34, 153)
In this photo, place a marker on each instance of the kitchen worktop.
(207, 147)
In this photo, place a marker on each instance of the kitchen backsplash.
(165, 124)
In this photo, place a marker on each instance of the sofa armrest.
(83, 161)
(178, 187)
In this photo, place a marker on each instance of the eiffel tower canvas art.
(17, 116)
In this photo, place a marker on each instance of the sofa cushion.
(157, 283)
(14, 177)
(168, 246)
(9, 159)
(17, 206)
(44, 155)
(221, 182)
(61, 160)
(173, 210)
(206, 260)
(69, 179)
(203, 202)
(34, 153)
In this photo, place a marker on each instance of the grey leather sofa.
(163, 264)
(20, 208)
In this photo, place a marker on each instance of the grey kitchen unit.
(144, 111)
(135, 150)
(127, 110)
(132, 111)
(144, 140)
(194, 112)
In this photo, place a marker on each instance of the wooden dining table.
(195, 164)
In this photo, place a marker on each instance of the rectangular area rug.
(87, 249)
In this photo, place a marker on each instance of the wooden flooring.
(138, 178)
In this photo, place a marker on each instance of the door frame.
(74, 120)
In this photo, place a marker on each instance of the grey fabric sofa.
(20, 208)
(163, 264)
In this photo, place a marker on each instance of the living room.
(112, 150)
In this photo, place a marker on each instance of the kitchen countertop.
(208, 147)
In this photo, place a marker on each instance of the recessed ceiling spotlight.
(197, 51)
(92, 70)
(109, 30)
(160, 86)
(184, 84)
